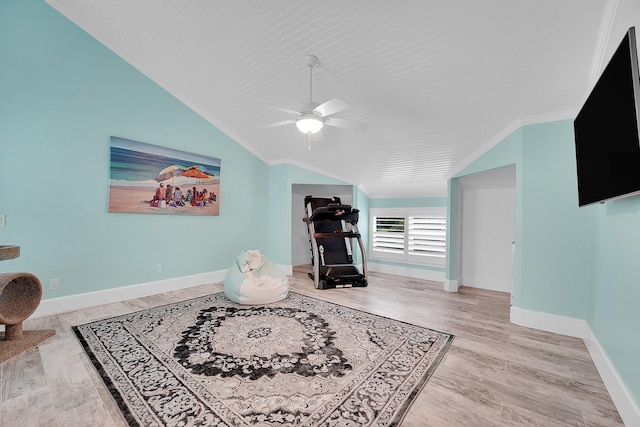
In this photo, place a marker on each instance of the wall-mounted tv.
(607, 132)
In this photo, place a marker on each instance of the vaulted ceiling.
(437, 81)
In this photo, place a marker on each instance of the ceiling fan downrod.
(312, 62)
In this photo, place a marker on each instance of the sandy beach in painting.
(136, 200)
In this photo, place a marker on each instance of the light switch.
(2, 220)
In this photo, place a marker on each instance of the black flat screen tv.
(607, 133)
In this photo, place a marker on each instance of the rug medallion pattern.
(300, 361)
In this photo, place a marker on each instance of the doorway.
(487, 224)
(300, 249)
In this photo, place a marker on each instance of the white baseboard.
(489, 286)
(625, 404)
(416, 273)
(549, 322)
(53, 306)
(301, 260)
(451, 285)
(622, 398)
(287, 269)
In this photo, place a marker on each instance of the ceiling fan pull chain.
(309, 147)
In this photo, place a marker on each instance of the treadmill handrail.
(339, 265)
(341, 235)
(333, 216)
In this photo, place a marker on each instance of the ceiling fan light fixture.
(309, 125)
(313, 116)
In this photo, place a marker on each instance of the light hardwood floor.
(494, 374)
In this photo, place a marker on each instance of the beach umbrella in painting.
(194, 173)
(198, 171)
(170, 172)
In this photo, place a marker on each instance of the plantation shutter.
(388, 235)
(427, 235)
(414, 236)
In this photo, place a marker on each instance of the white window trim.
(404, 254)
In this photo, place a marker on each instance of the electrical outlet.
(158, 267)
(54, 284)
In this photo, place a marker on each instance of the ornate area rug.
(300, 361)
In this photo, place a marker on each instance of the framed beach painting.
(145, 178)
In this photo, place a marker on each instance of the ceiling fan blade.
(284, 110)
(277, 124)
(330, 107)
(346, 124)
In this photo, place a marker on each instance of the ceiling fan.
(313, 116)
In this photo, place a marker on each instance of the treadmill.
(332, 227)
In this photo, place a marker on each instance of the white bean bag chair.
(254, 279)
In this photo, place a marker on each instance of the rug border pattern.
(390, 414)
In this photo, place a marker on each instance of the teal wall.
(554, 229)
(63, 94)
(551, 253)
(613, 235)
(451, 269)
(362, 202)
(570, 261)
(614, 285)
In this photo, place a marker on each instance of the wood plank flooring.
(494, 374)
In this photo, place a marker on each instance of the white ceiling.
(437, 81)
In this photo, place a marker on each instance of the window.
(416, 236)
